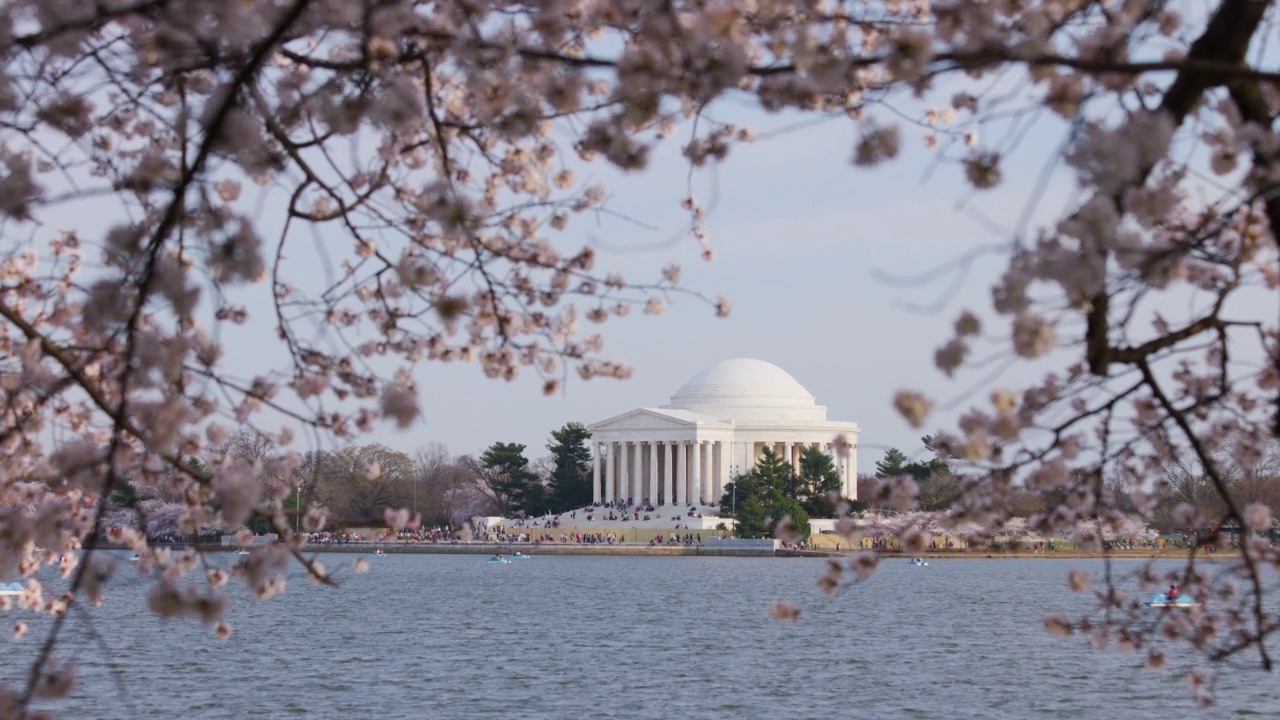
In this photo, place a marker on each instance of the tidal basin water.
(635, 637)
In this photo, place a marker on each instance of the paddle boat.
(11, 589)
(499, 559)
(241, 551)
(919, 561)
(1161, 600)
(519, 556)
(379, 552)
(135, 558)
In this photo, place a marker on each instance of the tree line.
(355, 485)
(1182, 495)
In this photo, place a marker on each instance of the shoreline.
(625, 550)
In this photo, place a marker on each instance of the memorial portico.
(714, 428)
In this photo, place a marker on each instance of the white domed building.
(715, 427)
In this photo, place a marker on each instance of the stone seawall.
(366, 548)
(698, 551)
(548, 549)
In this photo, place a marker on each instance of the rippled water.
(636, 637)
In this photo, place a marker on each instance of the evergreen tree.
(893, 464)
(939, 487)
(757, 495)
(777, 479)
(818, 477)
(571, 475)
(741, 501)
(750, 517)
(789, 508)
(506, 472)
(896, 464)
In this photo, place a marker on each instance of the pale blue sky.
(799, 234)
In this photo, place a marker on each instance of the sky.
(811, 252)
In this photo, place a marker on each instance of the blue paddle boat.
(519, 556)
(1161, 600)
(919, 561)
(499, 560)
(11, 589)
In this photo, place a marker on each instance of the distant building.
(715, 427)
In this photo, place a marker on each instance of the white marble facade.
(715, 427)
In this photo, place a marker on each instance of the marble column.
(717, 462)
(681, 474)
(722, 476)
(668, 473)
(844, 472)
(695, 485)
(633, 480)
(852, 490)
(620, 492)
(653, 473)
(595, 473)
(608, 472)
(704, 474)
(624, 470)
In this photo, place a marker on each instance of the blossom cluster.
(439, 157)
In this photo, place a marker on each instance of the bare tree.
(358, 483)
(444, 485)
(1258, 481)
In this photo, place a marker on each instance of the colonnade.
(679, 473)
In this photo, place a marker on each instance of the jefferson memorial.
(715, 427)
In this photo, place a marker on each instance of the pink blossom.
(1257, 516)
(982, 169)
(864, 563)
(1058, 625)
(877, 145)
(913, 406)
(400, 402)
(1078, 580)
(1032, 336)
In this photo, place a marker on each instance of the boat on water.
(520, 556)
(241, 551)
(135, 558)
(1161, 600)
(11, 589)
(379, 552)
(919, 561)
(499, 560)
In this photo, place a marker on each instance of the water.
(636, 637)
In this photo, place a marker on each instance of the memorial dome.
(732, 389)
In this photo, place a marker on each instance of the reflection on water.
(606, 637)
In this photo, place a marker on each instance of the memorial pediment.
(650, 419)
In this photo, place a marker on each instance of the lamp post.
(733, 506)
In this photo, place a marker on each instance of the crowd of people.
(620, 511)
(334, 538)
(687, 539)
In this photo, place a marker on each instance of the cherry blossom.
(450, 223)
